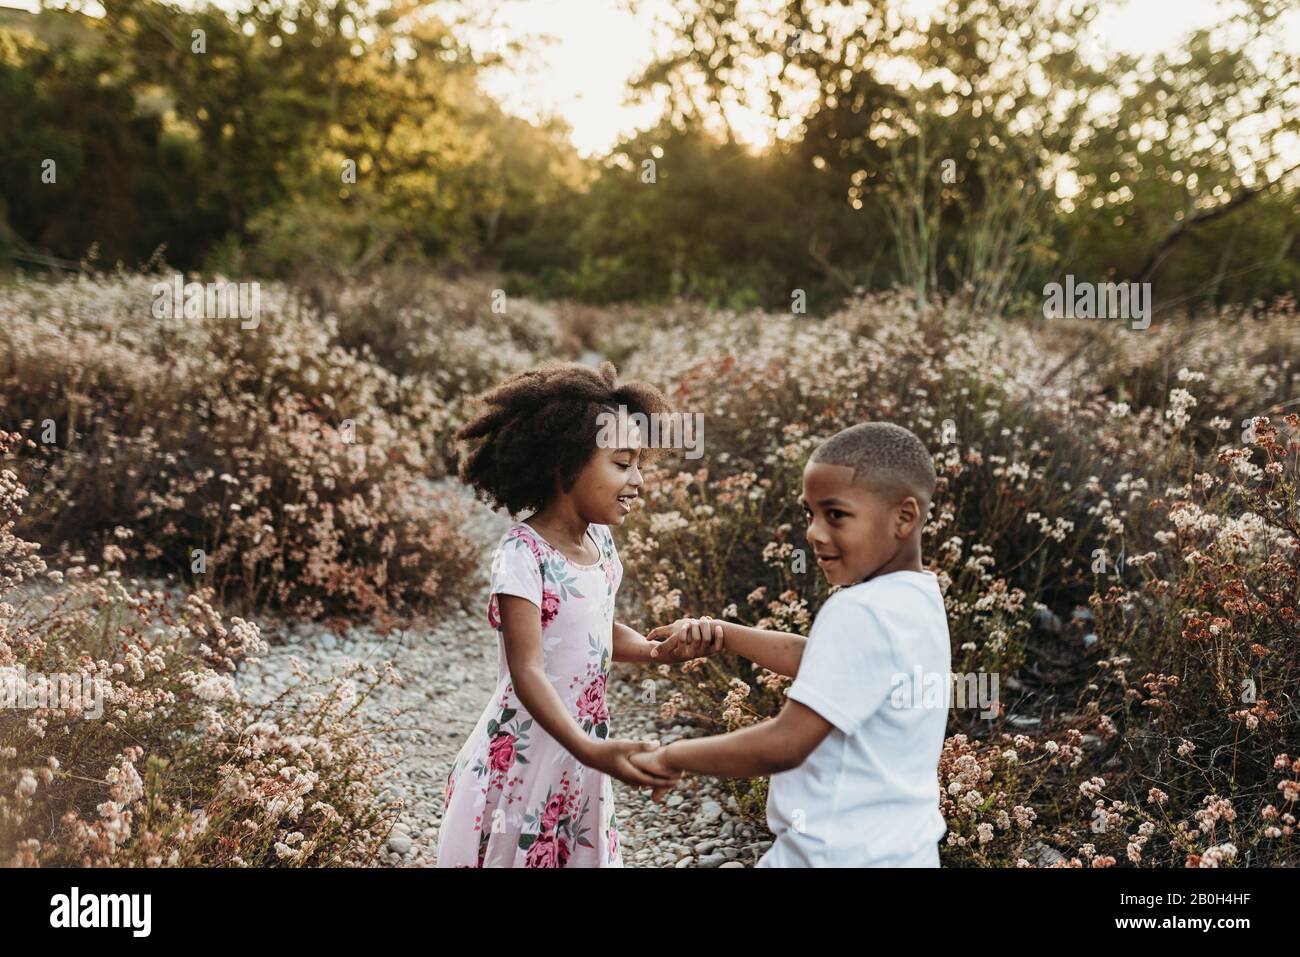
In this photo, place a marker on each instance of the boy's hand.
(687, 638)
(617, 758)
(657, 763)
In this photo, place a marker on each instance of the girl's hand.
(615, 759)
(687, 638)
(657, 762)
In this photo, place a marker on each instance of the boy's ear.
(909, 514)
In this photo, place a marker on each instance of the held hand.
(656, 762)
(687, 638)
(615, 758)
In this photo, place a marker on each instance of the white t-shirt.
(868, 795)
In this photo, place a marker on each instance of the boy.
(854, 775)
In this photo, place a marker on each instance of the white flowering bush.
(279, 466)
(165, 763)
(1081, 533)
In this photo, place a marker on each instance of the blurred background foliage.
(984, 151)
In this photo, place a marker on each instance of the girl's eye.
(624, 465)
(836, 513)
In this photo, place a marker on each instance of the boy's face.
(610, 481)
(853, 532)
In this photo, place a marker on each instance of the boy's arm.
(768, 748)
(777, 651)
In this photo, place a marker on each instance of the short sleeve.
(516, 568)
(612, 551)
(848, 664)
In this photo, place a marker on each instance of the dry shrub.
(1053, 490)
(297, 466)
(146, 754)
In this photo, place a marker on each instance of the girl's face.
(609, 483)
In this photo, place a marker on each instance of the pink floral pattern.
(515, 797)
(591, 703)
(550, 608)
(611, 839)
(501, 753)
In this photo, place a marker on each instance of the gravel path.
(449, 672)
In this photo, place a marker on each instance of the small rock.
(710, 813)
(731, 864)
(399, 843)
(1048, 619)
(1044, 856)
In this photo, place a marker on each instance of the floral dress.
(515, 797)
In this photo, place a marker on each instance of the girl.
(531, 787)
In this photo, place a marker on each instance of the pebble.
(399, 843)
(710, 812)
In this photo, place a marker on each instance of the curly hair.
(538, 429)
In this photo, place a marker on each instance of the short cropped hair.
(886, 459)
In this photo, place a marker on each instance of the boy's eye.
(837, 514)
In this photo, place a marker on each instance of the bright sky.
(596, 46)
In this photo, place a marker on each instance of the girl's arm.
(777, 651)
(697, 640)
(630, 644)
(521, 624)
